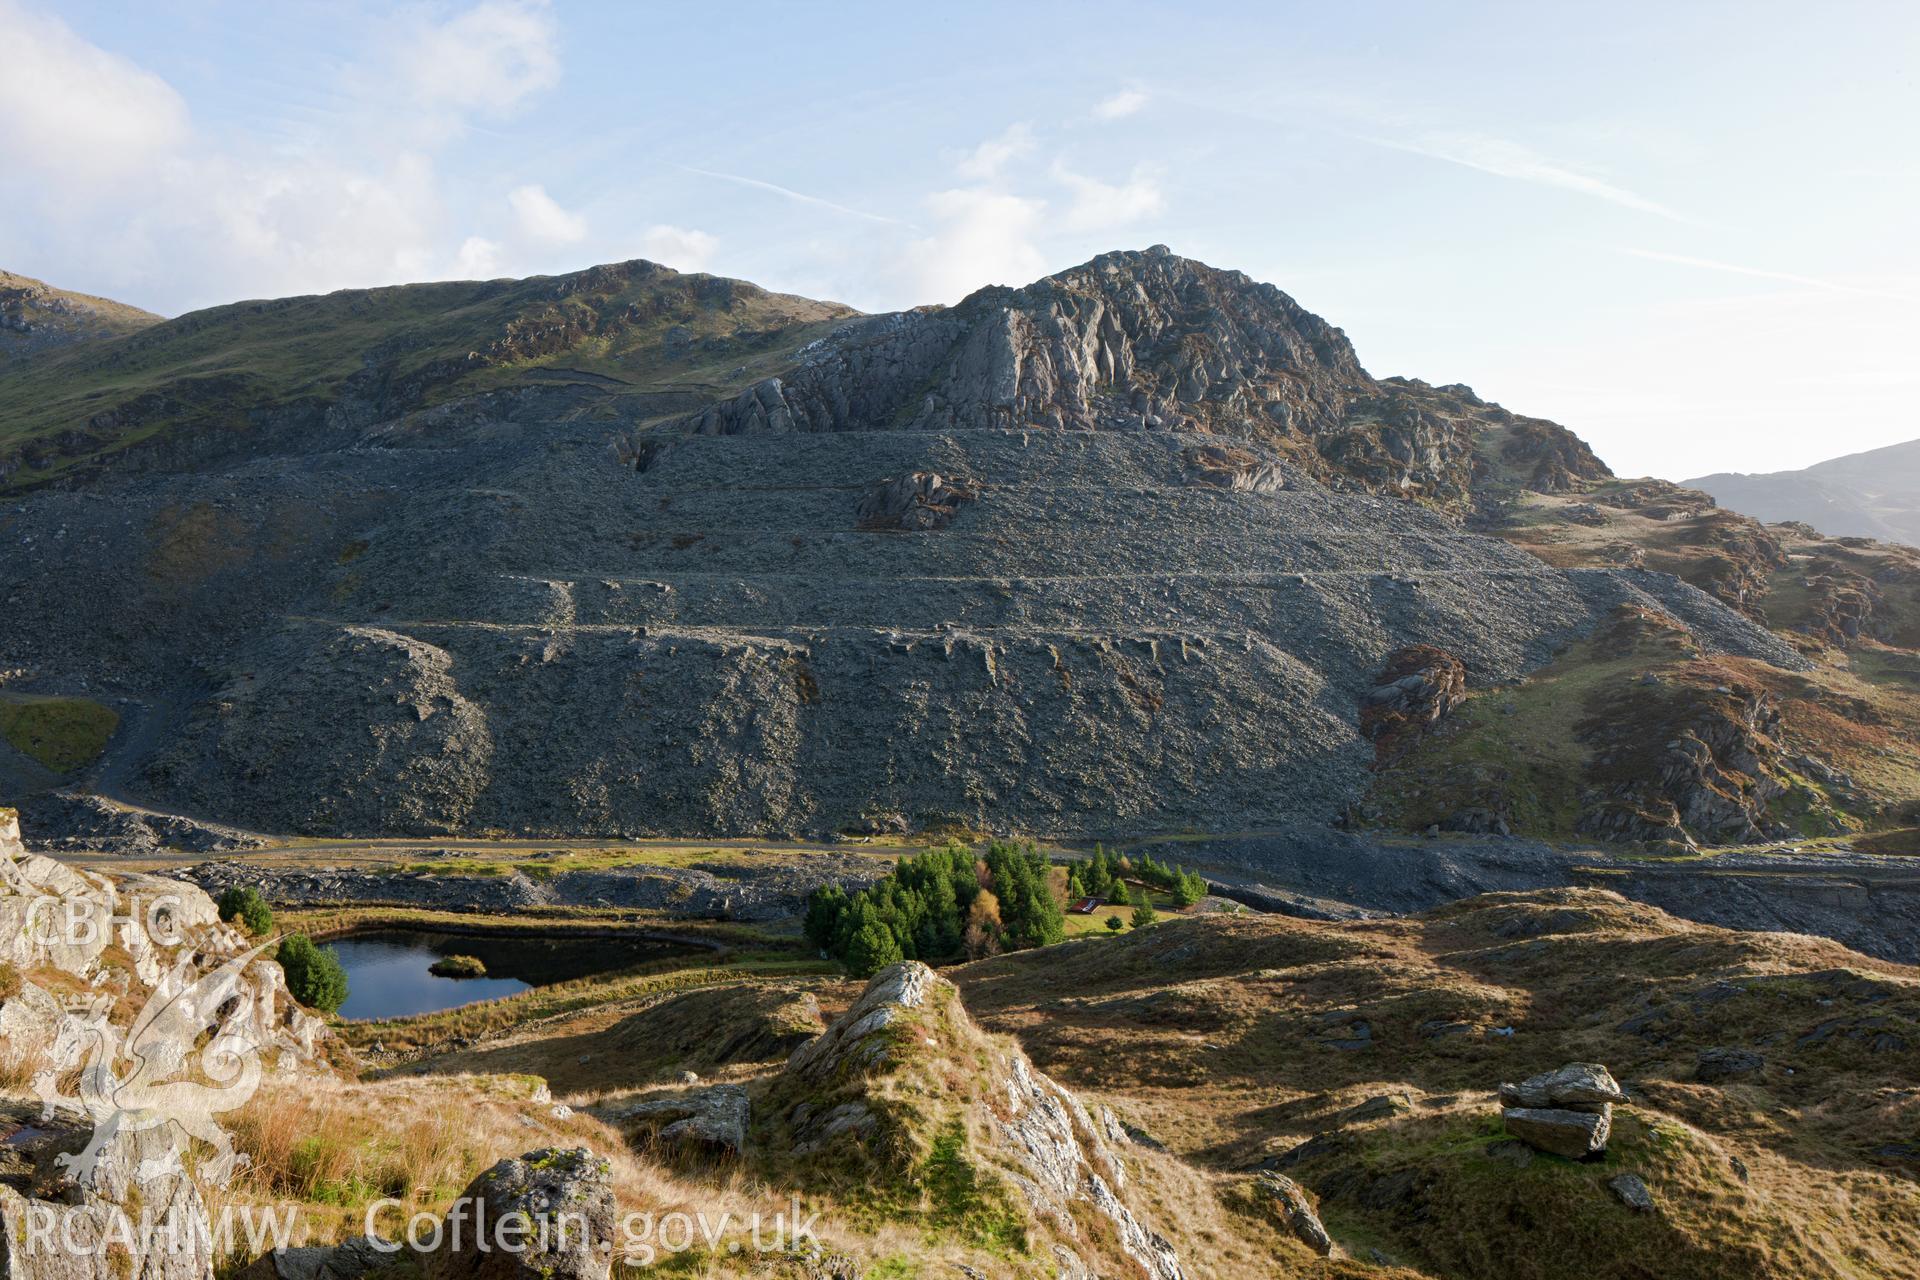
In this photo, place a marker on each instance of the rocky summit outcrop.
(904, 1086)
(36, 317)
(1125, 548)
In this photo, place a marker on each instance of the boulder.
(1631, 1190)
(1560, 1132)
(713, 1119)
(348, 1261)
(1716, 1065)
(1382, 1106)
(569, 1193)
(1286, 1201)
(1576, 1086)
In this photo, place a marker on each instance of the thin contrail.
(799, 197)
(1734, 268)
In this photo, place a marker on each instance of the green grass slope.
(366, 355)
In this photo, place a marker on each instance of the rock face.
(568, 1193)
(1671, 763)
(1717, 1065)
(107, 1162)
(1413, 691)
(123, 1218)
(1124, 548)
(917, 502)
(1289, 1203)
(905, 1067)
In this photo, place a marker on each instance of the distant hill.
(1875, 494)
(35, 317)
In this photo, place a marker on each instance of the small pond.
(387, 973)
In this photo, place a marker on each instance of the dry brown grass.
(1209, 1035)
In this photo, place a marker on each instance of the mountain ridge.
(1138, 548)
(1872, 494)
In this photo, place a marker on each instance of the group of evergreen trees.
(1105, 877)
(941, 905)
(948, 903)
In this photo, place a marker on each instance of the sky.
(1691, 232)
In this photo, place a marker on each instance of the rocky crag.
(110, 987)
(904, 1097)
(35, 317)
(1126, 548)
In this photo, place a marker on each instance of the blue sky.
(1686, 231)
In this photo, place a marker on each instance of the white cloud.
(71, 110)
(1101, 206)
(986, 161)
(112, 188)
(484, 60)
(1121, 105)
(982, 237)
(1506, 159)
(542, 219)
(681, 248)
(478, 259)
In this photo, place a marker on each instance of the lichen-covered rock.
(1576, 1085)
(714, 1119)
(65, 1231)
(570, 1192)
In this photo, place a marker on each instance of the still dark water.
(387, 971)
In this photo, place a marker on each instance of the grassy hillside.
(366, 355)
(1770, 1106)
